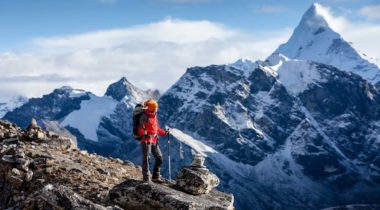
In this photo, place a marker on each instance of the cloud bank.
(151, 56)
(371, 12)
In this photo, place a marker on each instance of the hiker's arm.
(140, 131)
(161, 132)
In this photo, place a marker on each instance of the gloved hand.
(167, 132)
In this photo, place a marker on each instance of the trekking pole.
(170, 170)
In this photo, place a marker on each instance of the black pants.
(148, 148)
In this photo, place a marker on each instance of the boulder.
(136, 194)
(8, 130)
(196, 179)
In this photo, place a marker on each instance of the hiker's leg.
(145, 160)
(158, 160)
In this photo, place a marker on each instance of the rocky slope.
(42, 170)
(33, 165)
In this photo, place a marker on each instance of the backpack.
(138, 112)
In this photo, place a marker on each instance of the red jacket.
(149, 123)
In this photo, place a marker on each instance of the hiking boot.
(147, 179)
(158, 180)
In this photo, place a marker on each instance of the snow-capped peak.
(71, 92)
(314, 39)
(311, 38)
(316, 17)
(123, 88)
(244, 64)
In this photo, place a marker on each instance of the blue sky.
(23, 20)
(89, 44)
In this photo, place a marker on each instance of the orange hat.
(151, 104)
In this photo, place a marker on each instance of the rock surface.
(196, 180)
(42, 170)
(135, 194)
(51, 197)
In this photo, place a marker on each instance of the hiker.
(147, 131)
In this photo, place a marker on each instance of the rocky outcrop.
(51, 173)
(135, 194)
(43, 170)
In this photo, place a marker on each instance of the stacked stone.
(196, 179)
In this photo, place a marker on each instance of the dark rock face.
(135, 194)
(342, 93)
(318, 160)
(240, 96)
(346, 107)
(326, 133)
(260, 81)
(53, 106)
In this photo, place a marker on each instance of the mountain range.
(299, 130)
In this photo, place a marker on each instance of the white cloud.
(169, 30)
(272, 9)
(151, 56)
(372, 12)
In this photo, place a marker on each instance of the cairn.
(196, 179)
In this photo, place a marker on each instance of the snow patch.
(87, 119)
(12, 104)
(218, 111)
(76, 93)
(295, 75)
